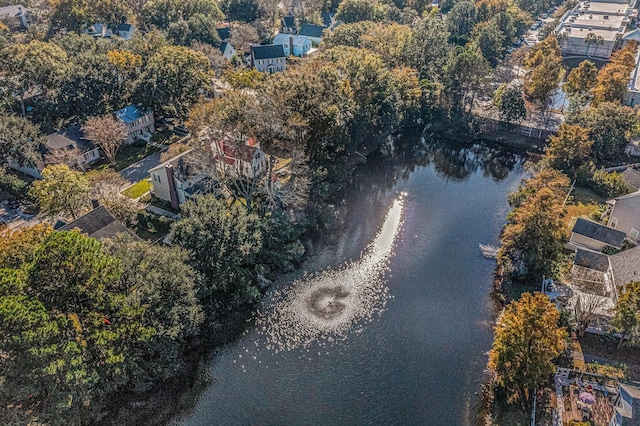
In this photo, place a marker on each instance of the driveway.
(140, 170)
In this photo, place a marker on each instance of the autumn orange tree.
(569, 148)
(527, 340)
(581, 79)
(613, 78)
(544, 71)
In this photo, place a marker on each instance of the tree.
(544, 71)
(509, 101)
(20, 141)
(69, 15)
(106, 186)
(18, 247)
(243, 36)
(627, 313)
(490, 40)
(532, 241)
(526, 341)
(107, 132)
(554, 180)
(569, 148)
(223, 242)
(168, 286)
(610, 127)
(351, 11)
(35, 66)
(581, 79)
(461, 18)
(199, 28)
(465, 74)
(241, 10)
(61, 191)
(613, 78)
(111, 12)
(161, 13)
(171, 80)
(586, 310)
(429, 47)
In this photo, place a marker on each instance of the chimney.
(95, 204)
(291, 45)
(173, 194)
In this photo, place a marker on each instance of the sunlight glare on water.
(324, 307)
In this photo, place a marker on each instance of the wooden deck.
(599, 414)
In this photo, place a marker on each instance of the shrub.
(14, 185)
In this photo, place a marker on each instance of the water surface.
(390, 320)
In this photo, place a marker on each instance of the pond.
(389, 320)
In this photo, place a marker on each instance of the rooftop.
(592, 260)
(130, 114)
(15, 10)
(631, 177)
(626, 266)
(281, 38)
(125, 27)
(269, 51)
(99, 223)
(311, 30)
(224, 33)
(598, 232)
(327, 18)
(69, 138)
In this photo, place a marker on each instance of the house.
(237, 158)
(126, 31)
(592, 235)
(99, 223)
(328, 19)
(313, 32)
(625, 215)
(98, 30)
(288, 24)
(181, 178)
(632, 178)
(66, 146)
(227, 50)
(15, 17)
(268, 58)
(140, 123)
(224, 33)
(293, 45)
(625, 266)
(626, 407)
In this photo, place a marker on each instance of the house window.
(634, 233)
(614, 222)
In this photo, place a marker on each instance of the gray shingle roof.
(224, 33)
(311, 30)
(98, 223)
(125, 27)
(626, 266)
(592, 260)
(598, 232)
(268, 51)
(327, 19)
(289, 21)
(631, 177)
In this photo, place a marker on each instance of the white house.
(269, 58)
(293, 45)
(16, 16)
(140, 124)
(593, 236)
(227, 50)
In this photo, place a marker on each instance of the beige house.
(625, 215)
(594, 236)
(181, 178)
(140, 124)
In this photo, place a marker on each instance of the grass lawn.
(586, 196)
(137, 189)
(579, 210)
(129, 154)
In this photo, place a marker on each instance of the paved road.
(140, 170)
